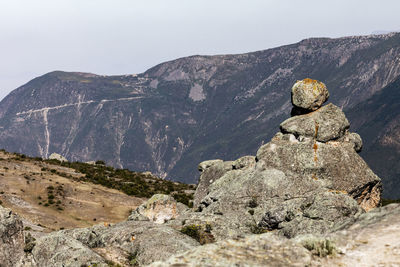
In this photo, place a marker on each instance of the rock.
(307, 179)
(254, 200)
(208, 163)
(255, 250)
(354, 139)
(57, 157)
(366, 239)
(211, 170)
(143, 241)
(57, 249)
(370, 239)
(309, 94)
(244, 162)
(11, 238)
(334, 164)
(325, 124)
(159, 209)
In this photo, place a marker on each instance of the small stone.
(309, 94)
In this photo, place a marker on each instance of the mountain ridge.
(178, 113)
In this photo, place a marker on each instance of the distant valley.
(179, 113)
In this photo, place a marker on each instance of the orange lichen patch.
(315, 147)
(133, 238)
(308, 80)
(316, 129)
(315, 177)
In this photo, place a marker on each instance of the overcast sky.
(130, 36)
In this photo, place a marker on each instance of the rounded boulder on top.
(309, 94)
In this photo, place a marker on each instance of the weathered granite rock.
(309, 94)
(11, 238)
(261, 198)
(208, 163)
(159, 209)
(211, 171)
(325, 124)
(354, 139)
(307, 179)
(370, 239)
(367, 239)
(255, 250)
(244, 162)
(143, 240)
(336, 164)
(57, 249)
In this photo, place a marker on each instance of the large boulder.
(263, 198)
(57, 249)
(11, 238)
(336, 164)
(309, 94)
(325, 124)
(159, 209)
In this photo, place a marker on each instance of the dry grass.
(28, 186)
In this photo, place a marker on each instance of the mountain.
(179, 113)
(378, 121)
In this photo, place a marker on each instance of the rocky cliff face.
(179, 113)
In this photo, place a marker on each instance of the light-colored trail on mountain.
(77, 104)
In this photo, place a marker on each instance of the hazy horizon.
(126, 36)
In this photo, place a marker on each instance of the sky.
(113, 37)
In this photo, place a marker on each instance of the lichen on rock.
(309, 94)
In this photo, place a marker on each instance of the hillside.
(50, 196)
(181, 112)
(378, 122)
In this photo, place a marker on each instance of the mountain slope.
(179, 113)
(378, 122)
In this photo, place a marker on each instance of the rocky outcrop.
(256, 250)
(11, 238)
(57, 157)
(130, 243)
(368, 239)
(307, 179)
(57, 249)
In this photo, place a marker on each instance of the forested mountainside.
(171, 117)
